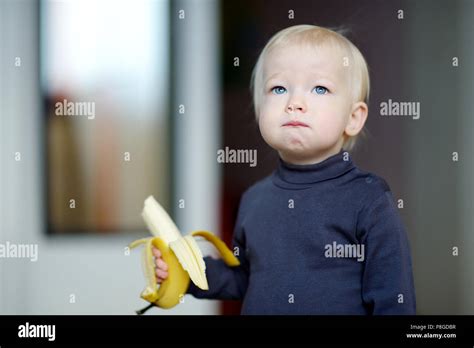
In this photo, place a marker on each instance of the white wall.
(94, 269)
(467, 152)
(441, 191)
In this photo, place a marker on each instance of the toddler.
(319, 235)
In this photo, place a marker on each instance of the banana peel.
(181, 254)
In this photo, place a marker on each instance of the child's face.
(311, 87)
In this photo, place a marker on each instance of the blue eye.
(320, 90)
(278, 90)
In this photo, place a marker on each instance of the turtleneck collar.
(297, 176)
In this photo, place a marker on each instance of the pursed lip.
(295, 124)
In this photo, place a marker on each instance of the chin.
(297, 145)
(295, 151)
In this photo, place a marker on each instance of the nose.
(295, 105)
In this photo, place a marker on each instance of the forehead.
(324, 60)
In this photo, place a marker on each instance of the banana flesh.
(182, 255)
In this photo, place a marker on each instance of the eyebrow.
(271, 77)
(313, 73)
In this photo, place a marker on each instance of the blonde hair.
(315, 36)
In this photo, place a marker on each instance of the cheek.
(269, 116)
(270, 105)
(265, 124)
(332, 115)
(269, 125)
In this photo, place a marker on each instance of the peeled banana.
(181, 254)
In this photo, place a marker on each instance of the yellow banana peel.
(181, 254)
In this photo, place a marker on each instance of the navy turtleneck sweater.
(324, 238)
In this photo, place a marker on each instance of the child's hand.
(161, 269)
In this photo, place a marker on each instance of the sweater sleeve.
(226, 283)
(387, 282)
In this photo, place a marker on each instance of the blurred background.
(162, 93)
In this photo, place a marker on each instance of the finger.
(161, 274)
(161, 264)
(156, 252)
(157, 262)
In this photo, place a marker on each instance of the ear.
(357, 119)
